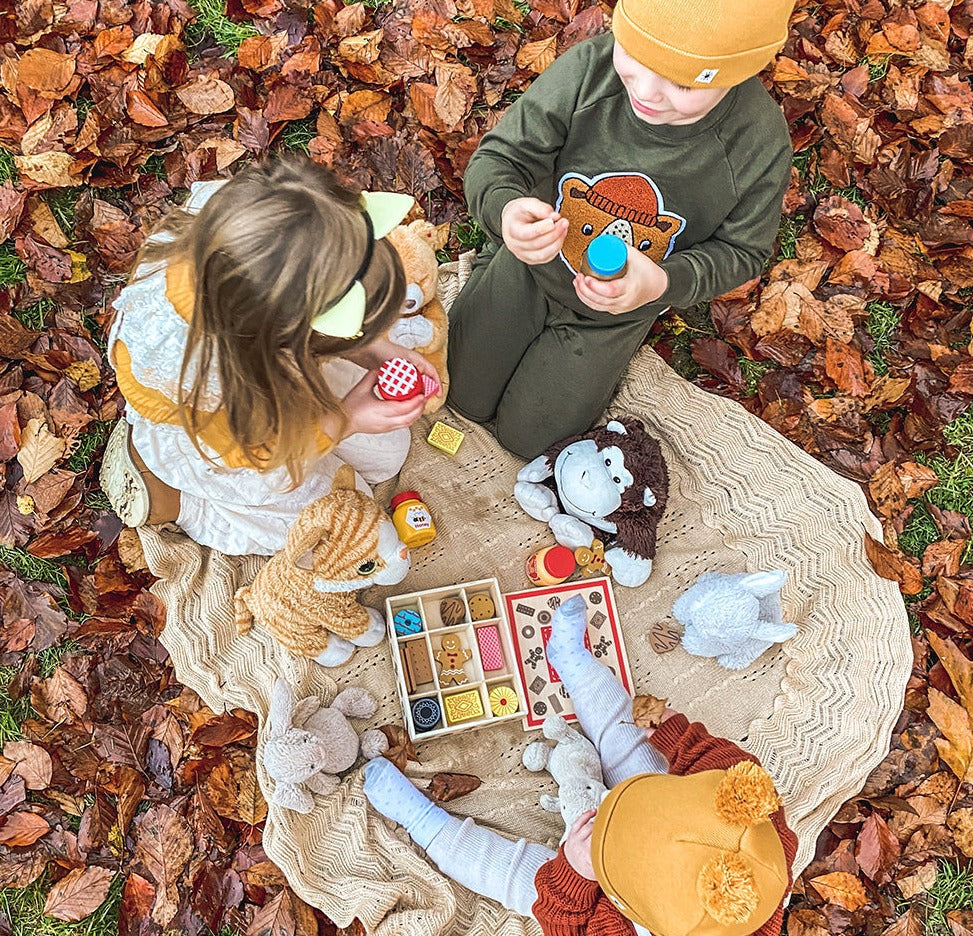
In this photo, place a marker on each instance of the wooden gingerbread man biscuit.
(451, 658)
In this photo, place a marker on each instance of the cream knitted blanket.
(818, 710)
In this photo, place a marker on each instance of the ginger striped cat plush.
(307, 594)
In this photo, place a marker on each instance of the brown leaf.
(143, 110)
(961, 825)
(959, 668)
(224, 729)
(960, 922)
(232, 788)
(942, 558)
(449, 786)
(956, 746)
(842, 889)
(163, 844)
(44, 70)
(39, 451)
(893, 566)
(23, 828)
(841, 222)
(363, 48)
(807, 922)
(78, 894)
(52, 168)
(262, 52)
(909, 924)
(60, 699)
(206, 95)
(31, 762)
(916, 479)
(400, 750)
(847, 367)
(277, 917)
(536, 56)
(647, 711)
(887, 492)
(876, 849)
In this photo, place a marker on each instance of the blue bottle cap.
(425, 714)
(607, 255)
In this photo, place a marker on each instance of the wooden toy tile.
(452, 611)
(482, 607)
(451, 657)
(445, 438)
(425, 714)
(406, 621)
(416, 667)
(664, 636)
(463, 706)
(488, 642)
(503, 701)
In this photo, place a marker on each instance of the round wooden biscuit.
(664, 636)
(452, 611)
(482, 607)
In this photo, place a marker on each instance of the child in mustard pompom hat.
(702, 850)
(660, 135)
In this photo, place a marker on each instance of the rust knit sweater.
(570, 905)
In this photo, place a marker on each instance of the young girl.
(241, 349)
(702, 850)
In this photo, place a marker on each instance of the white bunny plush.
(574, 763)
(733, 617)
(309, 743)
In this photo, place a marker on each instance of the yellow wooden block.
(463, 706)
(445, 438)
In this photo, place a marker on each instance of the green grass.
(12, 714)
(882, 322)
(787, 234)
(753, 372)
(97, 500)
(211, 21)
(62, 203)
(50, 659)
(12, 268)
(299, 133)
(876, 70)
(953, 492)
(952, 890)
(89, 445)
(35, 315)
(24, 908)
(854, 194)
(155, 165)
(8, 168)
(30, 568)
(959, 432)
(802, 161)
(82, 106)
(470, 235)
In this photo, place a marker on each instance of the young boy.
(660, 134)
(701, 851)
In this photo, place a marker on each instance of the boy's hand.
(577, 846)
(644, 281)
(367, 413)
(532, 230)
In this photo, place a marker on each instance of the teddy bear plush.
(422, 325)
(574, 764)
(733, 617)
(612, 479)
(307, 594)
(310, 743)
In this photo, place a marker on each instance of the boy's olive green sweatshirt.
(702, 199)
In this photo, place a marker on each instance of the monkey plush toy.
(612, 480)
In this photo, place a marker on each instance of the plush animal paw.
(323, 783)
(535, 500)
(355, 702)
(537, 470)
(374, 743)
(375, 633)
(337, 652)
(412, 332)
(291, 796)
(627, 569)
(570, 531)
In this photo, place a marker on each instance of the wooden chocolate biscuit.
(452, 611)
(416, 666)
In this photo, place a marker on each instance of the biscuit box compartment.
(469, 696)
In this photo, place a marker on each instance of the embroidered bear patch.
(626, 204)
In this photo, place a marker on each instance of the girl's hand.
(644, 281)
(377, 352)
(367, 413)
(666, 715)
(532, 230)
(577, 846)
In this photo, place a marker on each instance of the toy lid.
(398, 378)
(559, 561)
(607, 255)
(402, 497)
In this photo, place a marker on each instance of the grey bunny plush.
(309, 743)
(574, 763)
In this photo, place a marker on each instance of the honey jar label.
(418, 517)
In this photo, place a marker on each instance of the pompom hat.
(692, 855)
(702, 43)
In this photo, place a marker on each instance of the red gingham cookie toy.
(399, 380)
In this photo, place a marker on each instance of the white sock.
(603, 707)
(394, 796)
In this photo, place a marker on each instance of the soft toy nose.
(404, 552)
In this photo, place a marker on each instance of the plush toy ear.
(762, 584)
(775, 633)
(648, 498)
(344, 479)
(615, 426)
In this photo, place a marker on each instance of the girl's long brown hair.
(270, 249)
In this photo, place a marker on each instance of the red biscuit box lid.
(398, 380)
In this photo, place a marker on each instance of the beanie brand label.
(707, 75)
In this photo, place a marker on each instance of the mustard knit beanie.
(702, 43)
